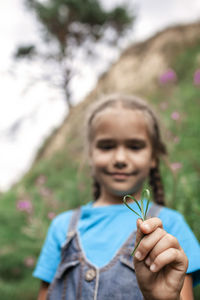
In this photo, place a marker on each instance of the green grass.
(22, 233)
(56, 185)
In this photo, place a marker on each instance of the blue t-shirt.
(103, 230)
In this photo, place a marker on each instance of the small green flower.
(143, 214)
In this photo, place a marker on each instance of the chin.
(131, 191)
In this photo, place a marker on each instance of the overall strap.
(73, 223)
(154, 210)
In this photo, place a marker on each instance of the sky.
(41, 108)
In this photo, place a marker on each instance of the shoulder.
(171, 217)
(170, 213)
(50, 255)
(62, 219)
(175, 224)
(59, 226)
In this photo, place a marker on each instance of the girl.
(87, 252)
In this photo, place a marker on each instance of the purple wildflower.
(196, 79)
(175, 115)
(168, 76)
(51, 215)
(175, 166)
(29, 262)
(24, 205)
(176, 139)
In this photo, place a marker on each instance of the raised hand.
(160, 262)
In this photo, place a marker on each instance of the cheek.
(142, 159)
(99, 159)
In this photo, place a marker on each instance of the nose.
(120, 159)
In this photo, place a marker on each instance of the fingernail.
(138, 255)
(148, 261)
(153, 267)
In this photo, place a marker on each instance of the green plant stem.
(132, 254)
(143, 215)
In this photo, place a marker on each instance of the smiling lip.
(120, 175)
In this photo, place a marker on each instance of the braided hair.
(159, 148)
(156, 184)
(96, 189)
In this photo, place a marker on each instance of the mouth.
(121, 175)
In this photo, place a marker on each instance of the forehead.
(121, 123)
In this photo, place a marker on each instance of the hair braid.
(155, 181)
(96, 189)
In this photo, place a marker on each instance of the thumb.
(139, 234)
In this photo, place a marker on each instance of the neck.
(107, 198)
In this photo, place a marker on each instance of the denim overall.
(77, 279)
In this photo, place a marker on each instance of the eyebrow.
(111, 140)
(104, 141)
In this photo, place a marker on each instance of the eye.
(106, 148)
(136, 146)
(105, 145)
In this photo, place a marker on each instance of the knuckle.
(171, 239)
(186, 262)
(173, 252)
(157, 223)
(184, 259)
(161, 231)
(155, 220)
(144, 246)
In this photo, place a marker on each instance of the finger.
(150, 225)
(149, 242)
(165, 242)
(170, 256)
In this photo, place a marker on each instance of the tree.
(68, 26)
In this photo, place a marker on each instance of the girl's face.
(120, 152)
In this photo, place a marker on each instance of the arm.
(160, 263)
(43, 290)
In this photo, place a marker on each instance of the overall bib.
(78, 279)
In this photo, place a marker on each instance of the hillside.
(166, 70)
(136, 72)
